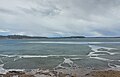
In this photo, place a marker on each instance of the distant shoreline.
(34, 37)
(41, 37)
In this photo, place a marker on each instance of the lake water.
(95, 53)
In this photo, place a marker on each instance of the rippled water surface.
(60, 53)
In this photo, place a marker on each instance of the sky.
(60, 17)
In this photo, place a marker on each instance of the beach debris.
(16, 74)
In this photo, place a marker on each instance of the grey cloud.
(7, 11)
(61, 17)
(43, 12)
(3, 31)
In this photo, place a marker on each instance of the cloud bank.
(60, 17)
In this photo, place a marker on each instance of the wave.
(95, 49)
(114, 67)
(67, 61)
(4, 71)
(103, 59)
(17, 57)
(58, 42)
(95, 56)
(31, 56)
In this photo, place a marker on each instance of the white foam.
(95, 49)
(67, 60)
(4, 71)
(75, 58)
(43, 56)
(32, 56)
(103, 59)
(95, 56)
(28, 56)
(1, 60)
(63, 55)
(3, 55)
(118, 66)
(114, 67)
(60, 42)
(16, 70)
(92, 54)
(53, 42)
(17, 57)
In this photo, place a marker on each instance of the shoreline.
(70, 72)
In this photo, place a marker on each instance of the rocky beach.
(78, 72)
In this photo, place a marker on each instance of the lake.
(97, 53)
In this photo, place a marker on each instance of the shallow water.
(94, 53)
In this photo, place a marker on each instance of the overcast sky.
(60, 17)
